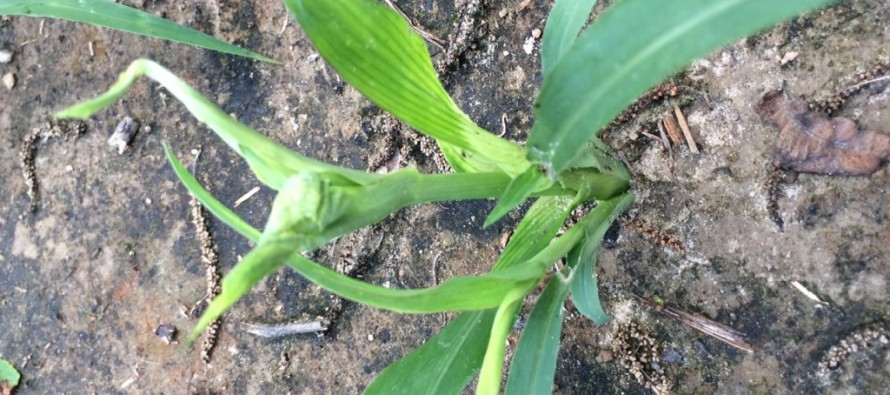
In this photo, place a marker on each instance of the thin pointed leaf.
(260, 262)
(272, 162)
(585, 291)
(534, 363)
(493, 363)
(628, 49)
(376, 51)
(120, 17)
(564, 22)
(519, 189)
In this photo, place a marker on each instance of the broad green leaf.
(8, 374)
(534, 362)
(564, 22)
(519, 189)
(120, 17)
(444, 365)
(627, 50)
(585, 291)
(448, 361)
(376, 51)
(272, 162)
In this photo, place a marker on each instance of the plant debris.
(809, 142)
(655, 95)
(704, 325)
(673, 129)
(860, 340)
(685, 127)
(637, 351)
(211, 264)
(836, 101)
(777, 177)
(28, 152)
(654, 234)
(275, 331)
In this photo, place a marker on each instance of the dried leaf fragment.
(810, 142)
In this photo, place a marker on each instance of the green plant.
(9, 377)
(105, 13)
(630, 47)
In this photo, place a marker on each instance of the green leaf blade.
(120, 17)
(444, 365)
(631, 47)
(493, 364)
(585, 289)
(9, 374)
(272, 162)
(534, 363)
(565, 21)
(375, 50)
(517, 191)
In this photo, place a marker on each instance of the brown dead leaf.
(810, 142)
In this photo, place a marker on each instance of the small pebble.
(9, 80)
(123, 134)
(5, 55)
(672, 356)
(536, 33)
(167, 333)
(605, 356)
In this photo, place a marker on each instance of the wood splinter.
(685, 127)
